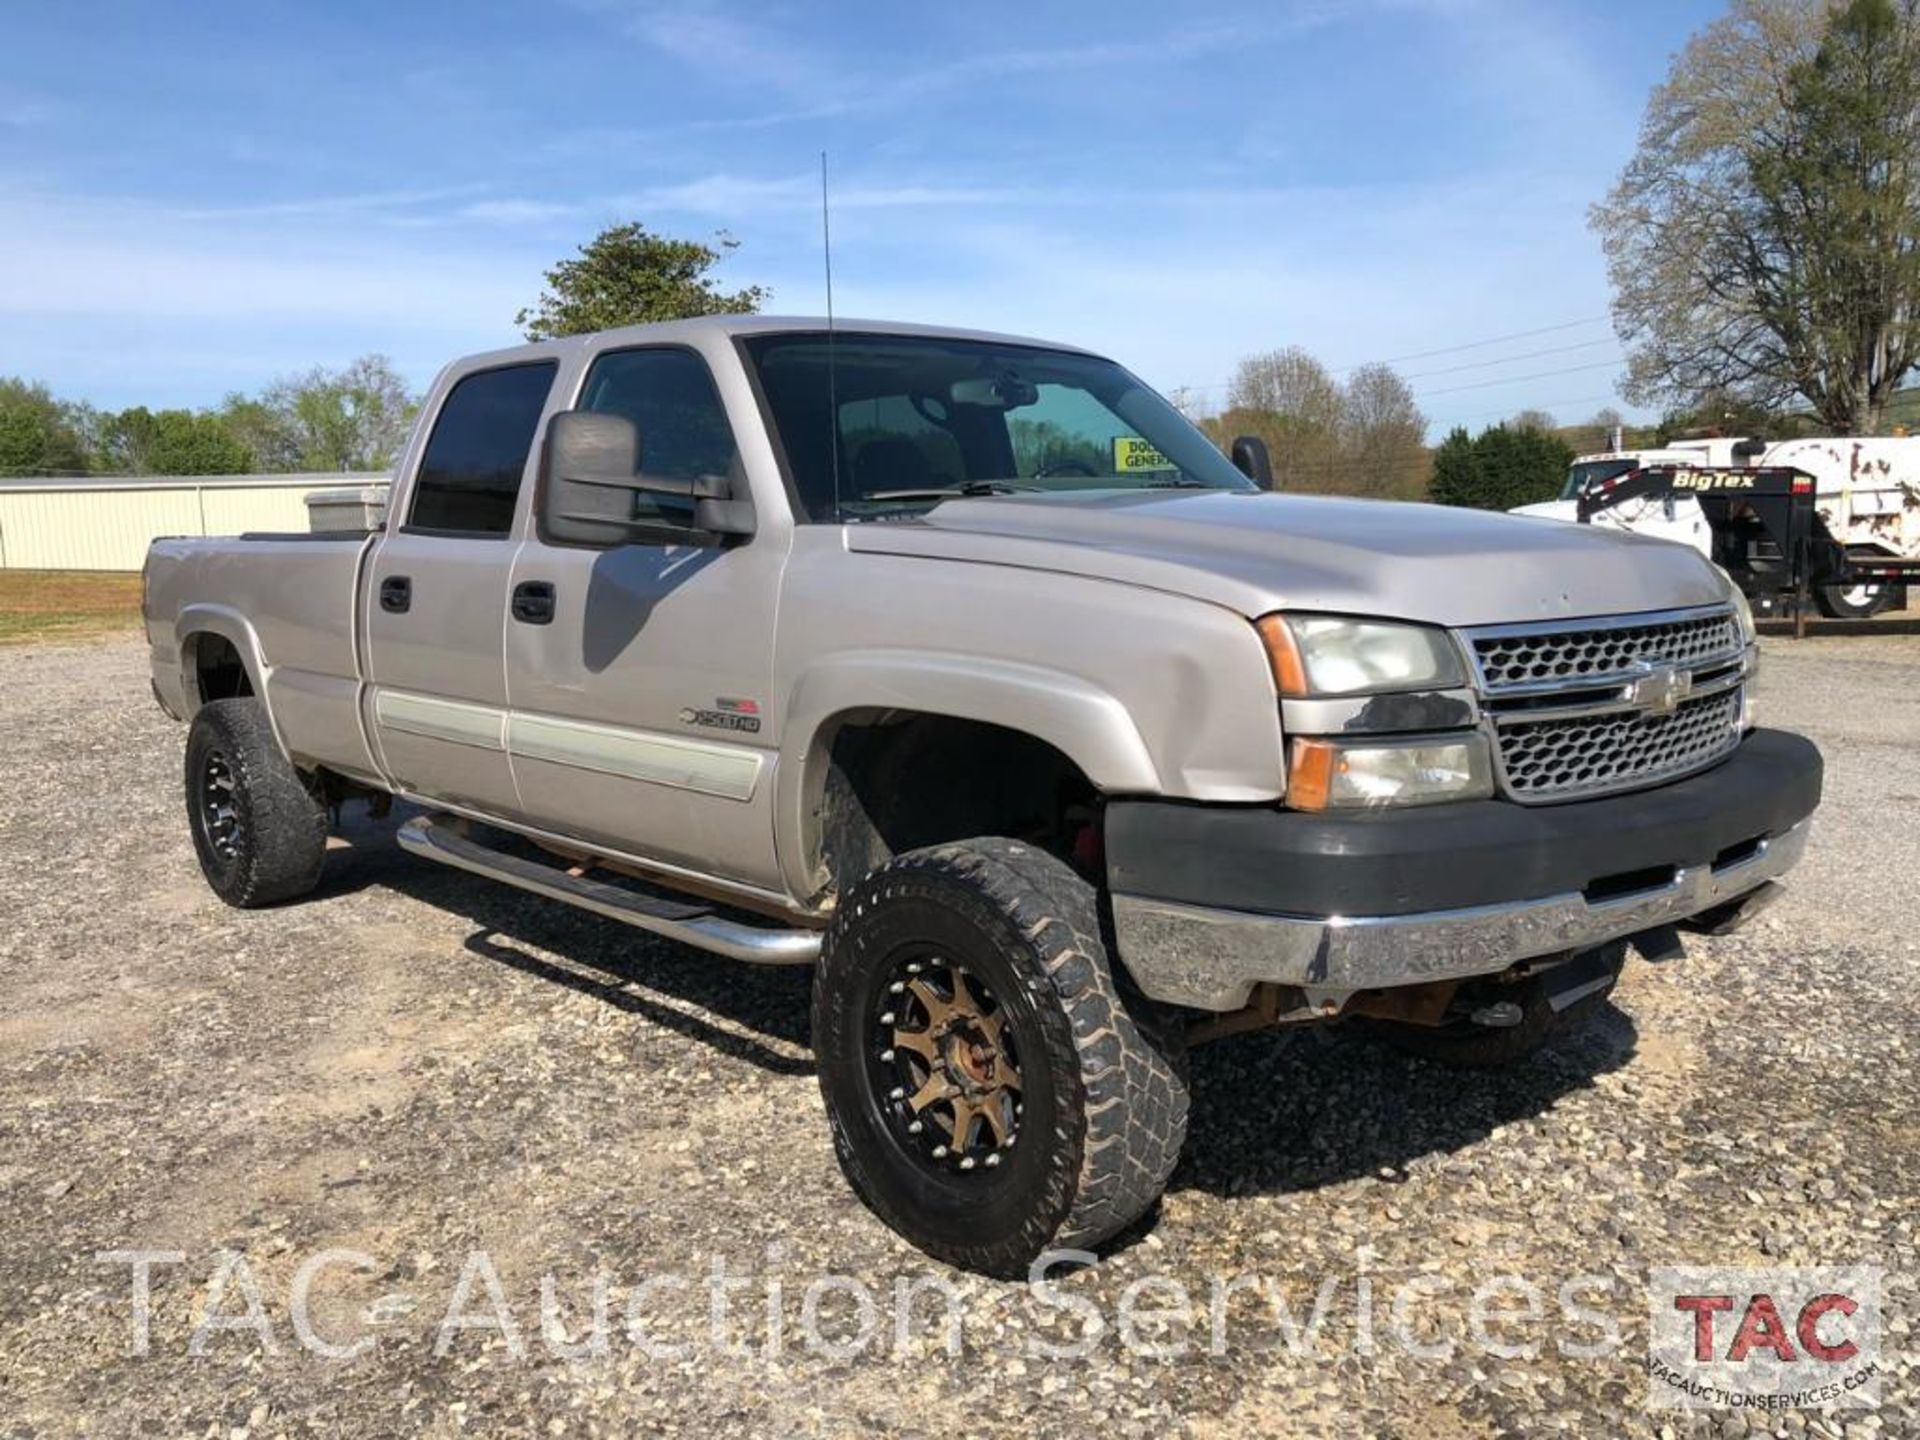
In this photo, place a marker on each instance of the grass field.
(63, 604)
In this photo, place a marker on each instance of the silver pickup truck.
(965, 669)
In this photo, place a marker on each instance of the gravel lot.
(418, 1066)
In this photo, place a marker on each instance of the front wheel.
(991, 1092)
(259, 832)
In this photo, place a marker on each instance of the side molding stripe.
(481, 726)
(731, 772)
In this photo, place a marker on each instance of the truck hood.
(1256, 553)
(1568, 510)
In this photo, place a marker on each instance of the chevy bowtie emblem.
(1660, 690)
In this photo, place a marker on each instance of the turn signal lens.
(1310, 776)
(1289, 673)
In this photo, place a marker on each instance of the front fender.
(1088, 725)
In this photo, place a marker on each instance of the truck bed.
(285, 603)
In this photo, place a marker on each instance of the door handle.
(396, 594)
(533, 602)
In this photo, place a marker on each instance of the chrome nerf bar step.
(690, 922)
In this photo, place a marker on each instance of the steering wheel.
(1066, 466)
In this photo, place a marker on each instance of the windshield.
(1585, 474)
(919, 419)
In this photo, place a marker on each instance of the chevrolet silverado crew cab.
(964, 669)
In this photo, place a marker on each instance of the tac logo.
(1776, 1339)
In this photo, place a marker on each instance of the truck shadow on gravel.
(1278, 1112)
(1273, 1112)
(753, 1013)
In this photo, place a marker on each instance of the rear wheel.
(260, 834)
(991, 1093)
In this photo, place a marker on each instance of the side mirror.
(590, 473)
(1250, 458)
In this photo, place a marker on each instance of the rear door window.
(470, 475)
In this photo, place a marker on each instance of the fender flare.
(234, 627)
(1088, 725)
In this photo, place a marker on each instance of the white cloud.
(517, 212)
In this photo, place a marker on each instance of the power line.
(1547, 405)
(1480, 344)
(1446, 350)
(1613, 364)
(1510, 359)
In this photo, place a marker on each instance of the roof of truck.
(707, 326)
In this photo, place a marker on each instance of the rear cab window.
(476, 456)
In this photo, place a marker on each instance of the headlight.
(1328, 655)
(1338, 775)
(1743, 611)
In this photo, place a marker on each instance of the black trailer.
(1767, 533)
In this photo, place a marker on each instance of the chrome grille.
(1585, 709)
(1565, 759)
(1511, 659)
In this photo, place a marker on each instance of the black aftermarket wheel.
(260, 834)
(990, 1091)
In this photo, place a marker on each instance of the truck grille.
(1562, 759)
(1508, 660)
(1611, 704)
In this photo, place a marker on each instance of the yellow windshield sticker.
(1131, 454)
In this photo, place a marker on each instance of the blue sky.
(198, 198)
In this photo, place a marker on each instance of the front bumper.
(1209, 901)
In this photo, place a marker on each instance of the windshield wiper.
(1185, 482)
(948, 492)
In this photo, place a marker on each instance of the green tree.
(1500, 468)
(39, 435)
(355, 418)
(172, 442)
(1764, 241)
(1457, 477)
(627, 275)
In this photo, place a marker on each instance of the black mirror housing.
(590, 474)
(1250, 458)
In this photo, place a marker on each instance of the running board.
(691, 923)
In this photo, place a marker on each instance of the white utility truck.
(1867, 489)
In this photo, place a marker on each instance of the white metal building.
(104, 522)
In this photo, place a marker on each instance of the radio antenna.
(833, 386)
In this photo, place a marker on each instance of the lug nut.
(898, 987)
(915, 968)
(914, 1127)
(887, 1018)
(897, 1093)
(967, 1163)
(993, 1159)
(939, 1152)
(886, 1055)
